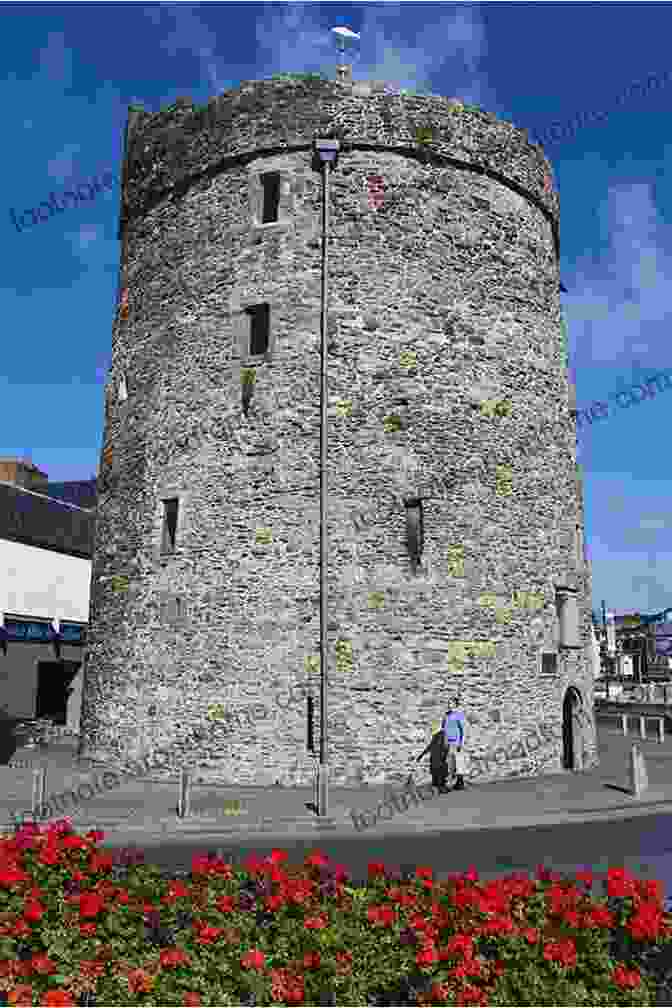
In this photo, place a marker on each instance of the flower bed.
(80, 926)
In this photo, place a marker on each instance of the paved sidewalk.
(143, 807)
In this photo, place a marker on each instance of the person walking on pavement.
(453, 731)
(8, 741)
(437, 761)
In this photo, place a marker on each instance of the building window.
(169, 525)
(271, 184)
(415, 531)
(259, 328)
(549, 663)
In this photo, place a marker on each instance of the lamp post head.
(325, 152)
(343, 35)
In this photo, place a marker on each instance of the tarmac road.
(643, 844)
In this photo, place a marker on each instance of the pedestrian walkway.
(142, 806)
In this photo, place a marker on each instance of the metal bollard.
(624, 720)
(184, 800)
(39, 791)
(639, 778)
(642, 727)
(661, 730)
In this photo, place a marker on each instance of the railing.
(643, 718)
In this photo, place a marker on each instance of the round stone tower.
(456, 559)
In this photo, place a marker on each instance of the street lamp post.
(326, 155)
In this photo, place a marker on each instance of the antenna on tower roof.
(343, 37)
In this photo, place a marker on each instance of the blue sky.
(70, 72)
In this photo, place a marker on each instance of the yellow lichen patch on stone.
(503, 615)
(488, 600)
(343, 656)
(480, 649)
(456, 560)
(528, 600)
(456, 651)
(248, 375)
(487, 407)
(408, 359)
(424, 134)
(263, 536)
(344, 407)
(376, 600)
(504, 480)
(496, 407)
(217, 712)
(312, 664)
(392, 423)
(232, 807)
(119, 582)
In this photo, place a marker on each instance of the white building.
(46, 540)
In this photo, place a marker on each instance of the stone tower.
(456, 560)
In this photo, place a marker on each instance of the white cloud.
(624, 303)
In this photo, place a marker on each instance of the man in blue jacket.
(453, 732)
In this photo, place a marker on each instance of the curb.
(309, 827)
(199, 825)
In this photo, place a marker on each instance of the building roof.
(38, 520)
(83, 493)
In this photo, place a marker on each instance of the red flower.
(139, 981)
(174, 957)
(461, 944)
(500, 925)
(317, 860)
(22, 994)
(316, 923)
(95, 836)
(620, 882)
(90, 904)
(191, 999)
(626, 978)
(376, 868)
(531, 935)
(12, 874)
(470, 995)
(646, 922)
(253, 960)
(277, 856)
(599, 917)
(652, 890)
(427, 956)
(43, 964)
(34, 911)
(344, 962)
(58, 998)
(207, 934)
(225, 903)
(563, 952)
(312, 960)
(381, 915)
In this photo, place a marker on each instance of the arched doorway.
(571, 749)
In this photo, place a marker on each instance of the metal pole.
(606, 641)
(323, 769)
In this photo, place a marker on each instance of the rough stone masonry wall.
(444, 297)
